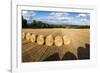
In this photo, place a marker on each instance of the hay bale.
(28, 36)
(33, 38)
(58, 41)
(49, 40)
(40, 39)
(66, 39)
(23, 35)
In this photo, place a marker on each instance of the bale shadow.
(53, 57)
(84, 53)
(69, 56)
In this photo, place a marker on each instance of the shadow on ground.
(53, 57)
(83, 53)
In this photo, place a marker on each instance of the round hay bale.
(23, 35)
(58, 41)
(40, 39)
(28, 36)
(33, 38)
(49, 40)
(67, 40)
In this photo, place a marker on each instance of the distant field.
(34, 53)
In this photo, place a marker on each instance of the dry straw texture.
(40, 40)
(58, 41)
(28, 36)
(23, 35)
(33, 38)
(67, 40)
(49, 40)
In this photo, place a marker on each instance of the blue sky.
(51, 17)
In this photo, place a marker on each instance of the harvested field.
(75, 45)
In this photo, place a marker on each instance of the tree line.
(40, 24)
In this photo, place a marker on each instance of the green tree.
(24, 23)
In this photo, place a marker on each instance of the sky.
(51, 17)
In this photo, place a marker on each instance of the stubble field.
(79, 39)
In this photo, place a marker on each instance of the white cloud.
(82, 15)
(58, 14)
(53, 17)
(56, 17)
(65, 18)
(28, 14)
(83, 20)
(24, 12)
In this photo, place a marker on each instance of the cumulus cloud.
(85, 21)
(58, 14)
(62, 18)
(82, 15)
(28, 14)
(57, 17)
(24, 12)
